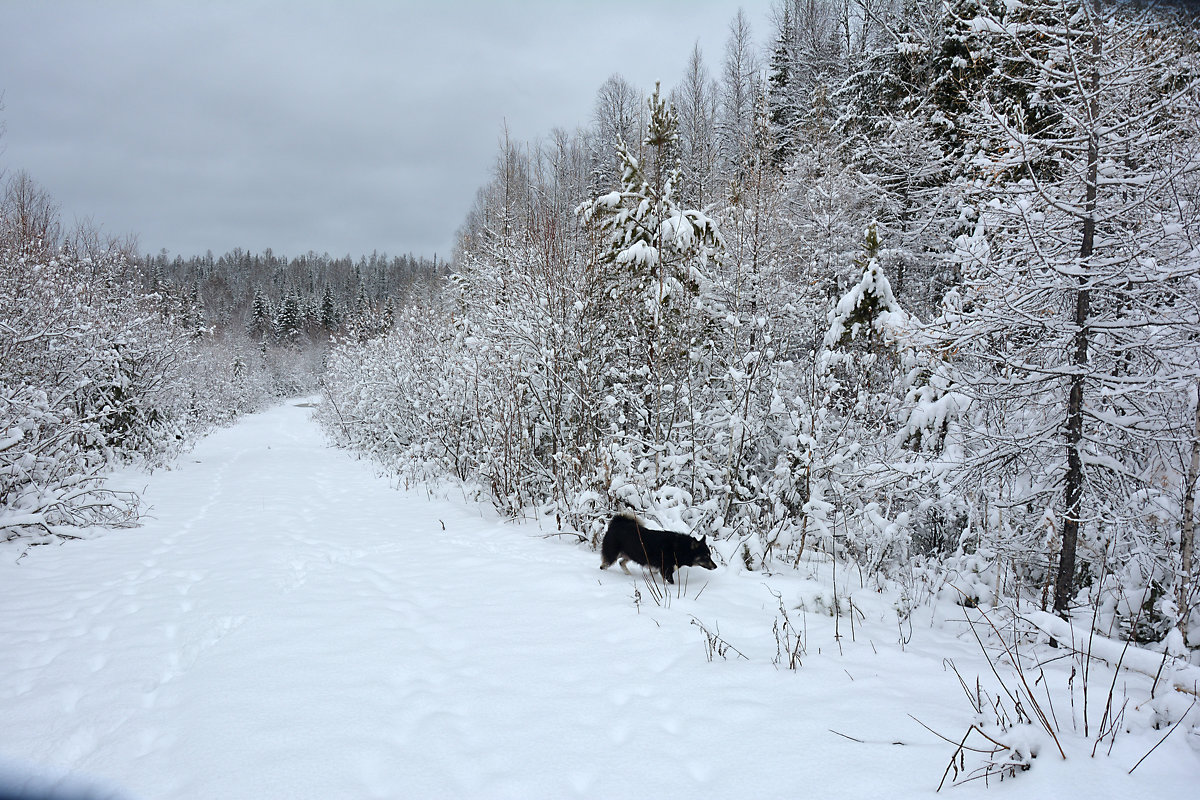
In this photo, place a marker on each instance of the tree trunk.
(1064, 584)
(1187, 531)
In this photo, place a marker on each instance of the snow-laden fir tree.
(261, 321)
(652, 303)
(858, 376)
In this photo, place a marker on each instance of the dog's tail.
(620, 524)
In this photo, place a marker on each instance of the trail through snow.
(289, 625)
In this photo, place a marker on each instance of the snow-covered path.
(289, 625)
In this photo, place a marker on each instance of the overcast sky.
(343, 127)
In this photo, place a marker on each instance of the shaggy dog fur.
(628, 540)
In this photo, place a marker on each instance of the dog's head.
(699, 555)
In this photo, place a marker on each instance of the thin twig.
(1163, 739)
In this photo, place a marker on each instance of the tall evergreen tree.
(288, 320)
(329, 310)
(889, 122)
(261, 322)
(653, 288)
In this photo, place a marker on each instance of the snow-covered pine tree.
(651, 302)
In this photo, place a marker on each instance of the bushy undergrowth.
(95, 372)
(745, 368)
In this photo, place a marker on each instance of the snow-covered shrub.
(94, 370)
(643, 365)
(51, 472)
(87, 368)
(224, 379)
(400, 398)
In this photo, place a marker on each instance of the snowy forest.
(916, 287)
(300, 301)
(109, 358)
(895, 302)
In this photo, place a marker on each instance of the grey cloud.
(344, 127)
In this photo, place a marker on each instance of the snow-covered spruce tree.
(864, 322)
(961, 62)
(860, 372)
(783, 113)
(656, 317)
(261, 322)
(1075, 325)
(288, 321)
(329, 317)
(824, 193)
(805, 66)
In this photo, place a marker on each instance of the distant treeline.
(279, 299)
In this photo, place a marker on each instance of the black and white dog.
(628, 540)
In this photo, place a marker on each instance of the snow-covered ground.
(287, 625)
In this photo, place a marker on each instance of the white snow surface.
(288, 624)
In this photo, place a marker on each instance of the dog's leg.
(623, 562)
